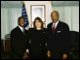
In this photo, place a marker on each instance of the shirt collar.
(56, 23)
(21, 28)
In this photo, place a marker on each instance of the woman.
(38, 39)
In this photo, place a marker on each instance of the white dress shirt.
(56, 24)
(21, 28)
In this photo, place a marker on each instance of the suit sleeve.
(29, 37)
(27, 41)
(66, 27)
(67, 38)
(13, 38)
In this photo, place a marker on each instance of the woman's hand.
(25, 57)
(26, 54)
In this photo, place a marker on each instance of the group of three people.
(39, 42)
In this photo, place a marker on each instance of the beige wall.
(68, 14)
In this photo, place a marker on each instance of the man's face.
(54, 17)
(21, 22)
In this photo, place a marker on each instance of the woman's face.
(38, 24)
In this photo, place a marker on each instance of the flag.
(24, 14)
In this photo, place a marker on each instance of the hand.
(26, 56)
(65, 56)
(27, 51)
(49, 53)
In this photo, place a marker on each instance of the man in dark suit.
(57, 34)
(19, 40)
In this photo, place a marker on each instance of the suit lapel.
(57, 28)
(20, 31)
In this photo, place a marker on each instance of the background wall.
(70, 15)
(9, 18)
(10, 12)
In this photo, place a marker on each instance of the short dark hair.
(21, 17)
(40, 20)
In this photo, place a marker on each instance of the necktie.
(53, 28)
(24, 31)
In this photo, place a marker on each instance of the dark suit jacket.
(60, 27)
(19, 42)
(59, 39)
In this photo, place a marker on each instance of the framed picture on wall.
(38, 11)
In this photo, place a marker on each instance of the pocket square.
(58, 31)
